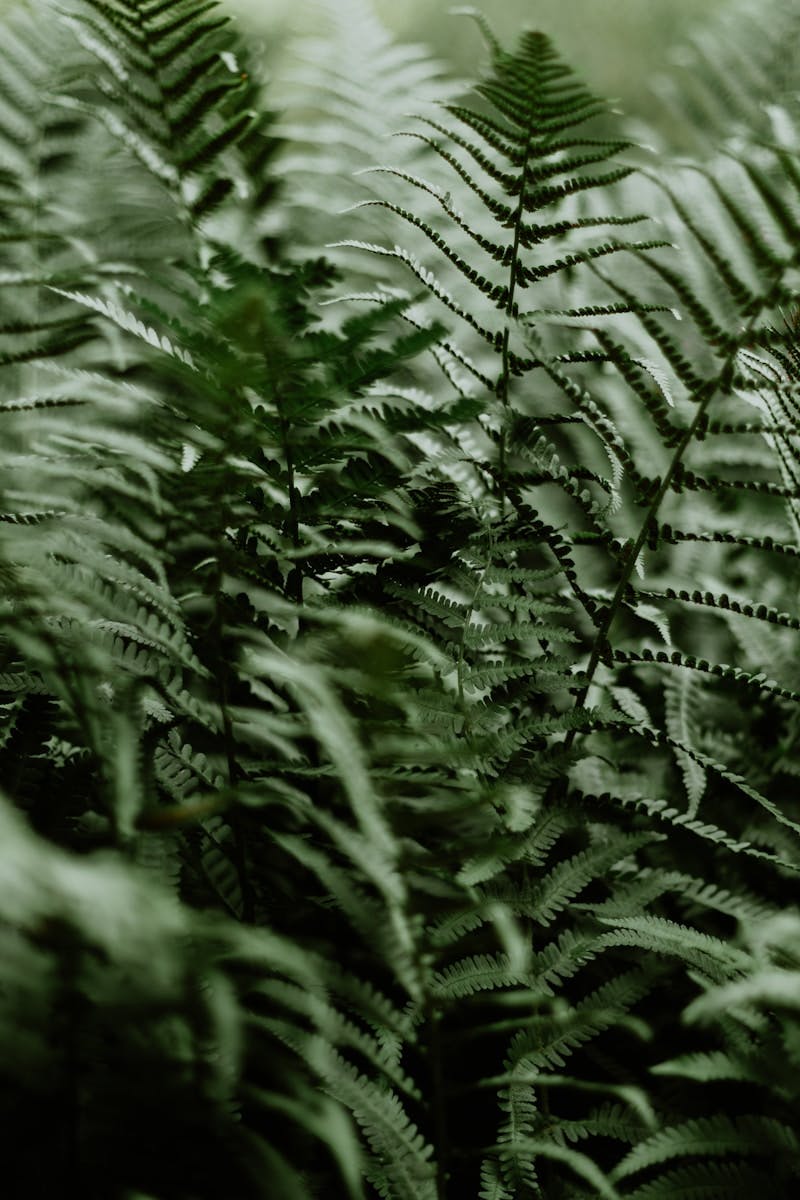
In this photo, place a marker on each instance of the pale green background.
(615, 44)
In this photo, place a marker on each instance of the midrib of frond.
(513, 269)
(505, 376)
(719, 383)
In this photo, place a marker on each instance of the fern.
(413, 675)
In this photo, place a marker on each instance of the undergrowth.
(399, 547)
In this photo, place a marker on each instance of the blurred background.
(617, 45)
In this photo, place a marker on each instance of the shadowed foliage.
(398, 696)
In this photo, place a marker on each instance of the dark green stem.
(438, 1105)
(223, 697)
(295, 582)
(505, 377)
(600, 645)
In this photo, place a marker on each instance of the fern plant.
(401, 704)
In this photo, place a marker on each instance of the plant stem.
(295, 581)
(439, 1111)
(223, 695)
(721, 381)
(505, 377)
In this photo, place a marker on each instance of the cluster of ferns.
(400, 561)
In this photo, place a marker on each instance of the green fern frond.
(704, 1181)
(712, 1136)
(660, 936)
(707, 1067)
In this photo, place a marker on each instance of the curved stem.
(634, 551)
(505, 376)
(722, 381)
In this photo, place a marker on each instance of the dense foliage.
(399, 692)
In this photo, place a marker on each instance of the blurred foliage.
(617, 45)
(393, 743)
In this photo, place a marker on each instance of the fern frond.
(712, 1136)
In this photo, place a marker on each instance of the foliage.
(398, 710)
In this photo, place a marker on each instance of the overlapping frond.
(425, 674)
